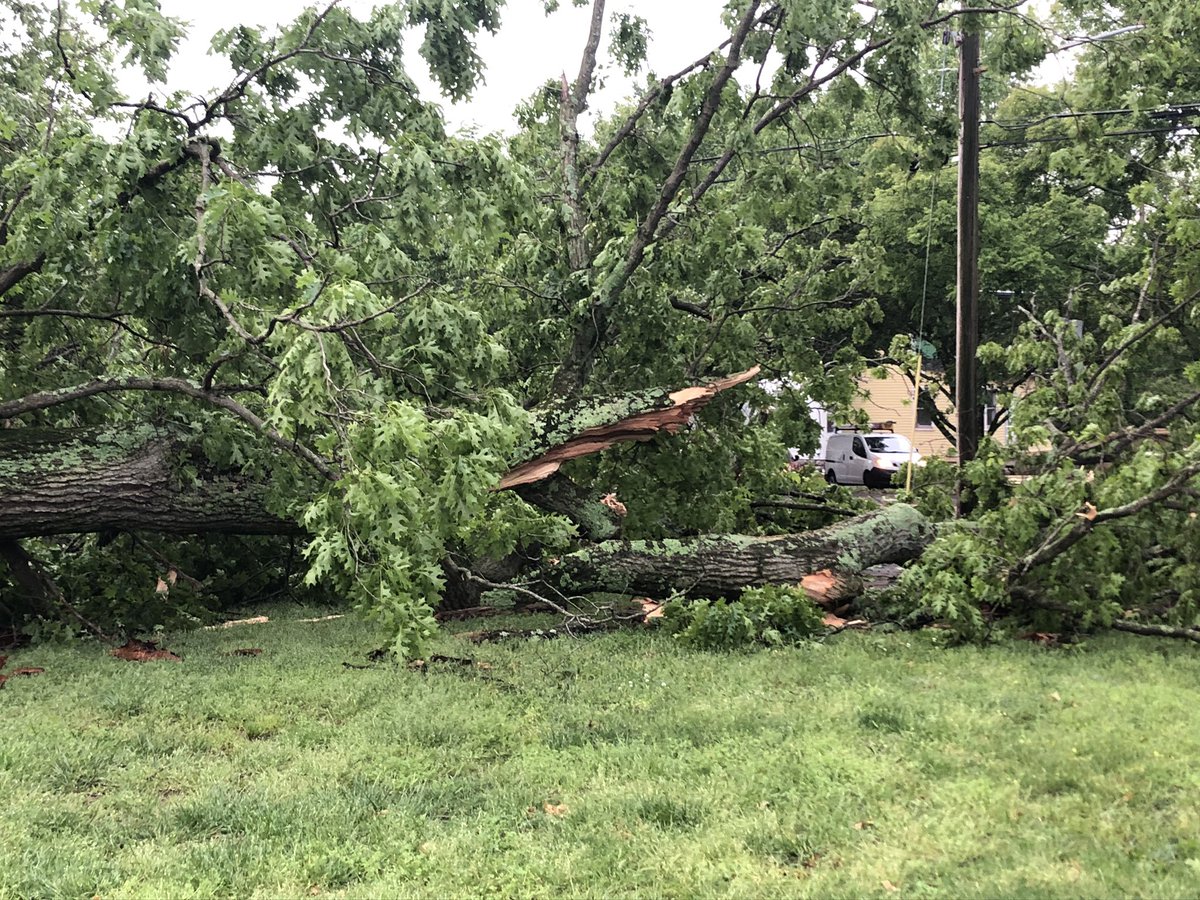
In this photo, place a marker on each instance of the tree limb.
(1144, 628)
(571, 106)
(1085, 524)
(13, 275)
(592, 331)
(215, 397)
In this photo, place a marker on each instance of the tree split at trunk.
(148, 478)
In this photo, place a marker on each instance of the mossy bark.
(71, 481)
(725, 565)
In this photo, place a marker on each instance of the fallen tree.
(64, 481)
(826, 561)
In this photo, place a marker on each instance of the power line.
(1173, 111)
(1062, 139)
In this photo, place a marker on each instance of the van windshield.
(892, 443)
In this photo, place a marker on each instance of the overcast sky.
(529, 48)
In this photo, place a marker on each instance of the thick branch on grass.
(60, 481)
(68, 481)
(725, 565)
(1144, 628)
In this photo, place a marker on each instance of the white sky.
(529, 48)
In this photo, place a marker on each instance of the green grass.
(835, 769)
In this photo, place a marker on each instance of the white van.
(871, 459)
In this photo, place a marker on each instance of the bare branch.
(650, 97)
(62, 53)
(571, 105)
(116, 318)
(691, 308)
(203, 152)
(576, 369)
(8, 214)
(237, 88)
(353, 323)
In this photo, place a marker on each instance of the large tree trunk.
(725, 565)
(71, 481)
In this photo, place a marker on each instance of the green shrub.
(772, 615)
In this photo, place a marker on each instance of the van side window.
(859, 449)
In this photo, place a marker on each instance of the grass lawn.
(873, 764)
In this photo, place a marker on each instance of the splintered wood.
(641, 426)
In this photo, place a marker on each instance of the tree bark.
(725, 565)
(71, 481)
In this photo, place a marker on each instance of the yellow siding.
(890, 398)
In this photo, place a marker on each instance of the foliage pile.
(769, 616)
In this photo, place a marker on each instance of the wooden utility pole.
(966, 387)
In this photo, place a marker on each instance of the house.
(887, 398)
